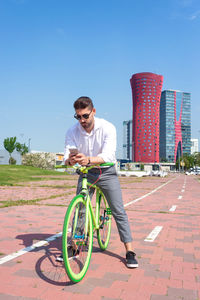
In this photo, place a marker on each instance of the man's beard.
(87, 125)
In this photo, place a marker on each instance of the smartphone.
(73, 151)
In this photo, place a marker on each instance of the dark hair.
(83, 102)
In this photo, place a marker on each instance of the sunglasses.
(79, 117)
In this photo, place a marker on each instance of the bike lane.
(169, 263)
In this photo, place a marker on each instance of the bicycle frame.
(86, 197)
(85, 193)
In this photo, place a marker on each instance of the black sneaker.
(71, 253)
(131, 262)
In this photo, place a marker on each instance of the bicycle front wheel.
(103, 233)
(77, 244)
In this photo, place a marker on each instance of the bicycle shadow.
(49, 270)
(53, 272)
(46, 267)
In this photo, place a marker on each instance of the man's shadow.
(31, 238)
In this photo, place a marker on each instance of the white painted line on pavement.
(148, 194)
(173, 208)
(180, 197)
(155, 232)
(30, 248)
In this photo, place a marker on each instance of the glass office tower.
(127, 140)
(175, 125)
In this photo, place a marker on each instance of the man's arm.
(87, 160)
(69, 143)
(109, 143)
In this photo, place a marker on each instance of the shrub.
(12, 161)
(43, 160)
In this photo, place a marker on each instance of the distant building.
(59, 158)
(127, 140)
(175, 124)
(146, 92)
(194, 145)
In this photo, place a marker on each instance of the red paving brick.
(169, 267)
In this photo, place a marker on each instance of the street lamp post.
(29, 145)
(199, 141)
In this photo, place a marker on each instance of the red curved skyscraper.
(146, 92)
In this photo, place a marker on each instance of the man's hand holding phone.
(82, 160)
(72, 157)
(76, 157)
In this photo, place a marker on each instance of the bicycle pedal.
(81, 243)
(80, 237)
(104, 218)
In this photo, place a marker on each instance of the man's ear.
(94, 111)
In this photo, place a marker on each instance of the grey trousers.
(110, 186)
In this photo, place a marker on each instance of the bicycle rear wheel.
(74, 236)
(103, 233)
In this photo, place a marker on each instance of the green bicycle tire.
(103, 233)
(76, 267)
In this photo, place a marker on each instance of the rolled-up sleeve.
(69, 143)
(109, 144)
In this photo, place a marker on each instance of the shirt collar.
(96, 123)
(96, 126)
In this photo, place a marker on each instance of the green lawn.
(13, 174)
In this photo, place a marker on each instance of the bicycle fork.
(81, 219)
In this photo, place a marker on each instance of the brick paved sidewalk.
(169, 266)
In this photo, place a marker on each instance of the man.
(95, 140)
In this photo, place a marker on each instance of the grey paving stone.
(26, 273)
(10, 297)
(185, 294)
(161, 297)
(157, 274)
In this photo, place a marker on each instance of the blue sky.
(53, 51)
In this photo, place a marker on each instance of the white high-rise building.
(194, 146)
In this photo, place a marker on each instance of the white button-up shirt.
(101, 141)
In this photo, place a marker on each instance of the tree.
(196, 156)
(10, 145)
(21, 148)
(188, 161)
(163, 160)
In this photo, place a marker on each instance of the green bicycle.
(81, 220)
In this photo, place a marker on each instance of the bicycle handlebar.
(86, 167)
